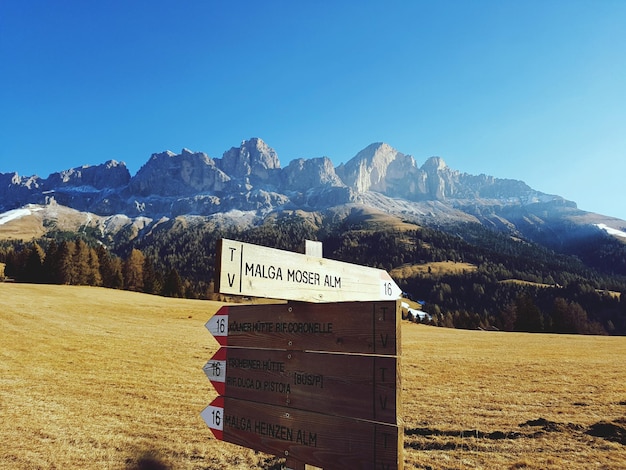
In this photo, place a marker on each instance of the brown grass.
(512, 400)
(25, 228)
(93, 378)
(373, 220)
(526, 283)
(437, 269)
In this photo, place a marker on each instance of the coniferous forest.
(514, 285)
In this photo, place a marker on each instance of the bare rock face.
(401, 178)
(301, 174)
(367, 171)
(16, 190)
(437, 180)
(111, 174)
(254, 158)
(249, 178)
(314, 183)
(184, 174)
(381, 168)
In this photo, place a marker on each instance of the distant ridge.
(249, 179)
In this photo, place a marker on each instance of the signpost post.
(315, 379)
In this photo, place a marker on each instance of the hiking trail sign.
(345, 327)
(315, 379)
(357, 386)
(258, 271)
(330, 442)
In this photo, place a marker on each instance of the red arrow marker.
(213, 416)
(215, 370)
(218, 325)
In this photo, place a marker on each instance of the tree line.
(517, 285)
(75, 262)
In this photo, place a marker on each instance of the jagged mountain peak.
(253, 158)
(250, 178)
(310, 173)
(375, 168)
(172, 159)
(111, 174)
(434, 164)
(113, 164)
(165, 154)
(376, 151)
(171, 174)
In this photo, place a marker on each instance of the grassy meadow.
(95, 378)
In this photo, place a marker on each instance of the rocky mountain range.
(250, 180)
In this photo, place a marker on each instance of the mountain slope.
(247, 184)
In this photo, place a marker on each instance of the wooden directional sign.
(330, 442)
(316, 382)
(258, 271)
(351, 327)
(358, 386)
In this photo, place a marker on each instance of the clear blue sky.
(529, 90)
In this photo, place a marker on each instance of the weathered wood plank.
(329, 442)
(258, 271)
(352, 385)
(348, 327)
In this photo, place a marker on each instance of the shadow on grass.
(614, 431)
(150, 460)
(147, 461)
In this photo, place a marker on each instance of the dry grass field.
(435, 269)
(499, 400)
(94, 378)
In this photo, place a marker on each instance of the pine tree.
(65, 272)
(508, 317)
(117, 278)
(151, 282)
(80, 258)
(94, 277)
(50, 263)
(133, 270)
(13, 268)
(106, 266)
(529, 317)
(173, 286)
(33, 269)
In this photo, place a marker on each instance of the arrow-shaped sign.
(349, 327)
(258, 271)
(352, 385)
(218, 325)
(215, 370)
(330, 442)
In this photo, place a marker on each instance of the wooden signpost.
(316, 382)
(326, 441)
(348, 327)
(258, 271)
(358, 386)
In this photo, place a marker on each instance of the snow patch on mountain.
(611, 231)
(17, 214)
